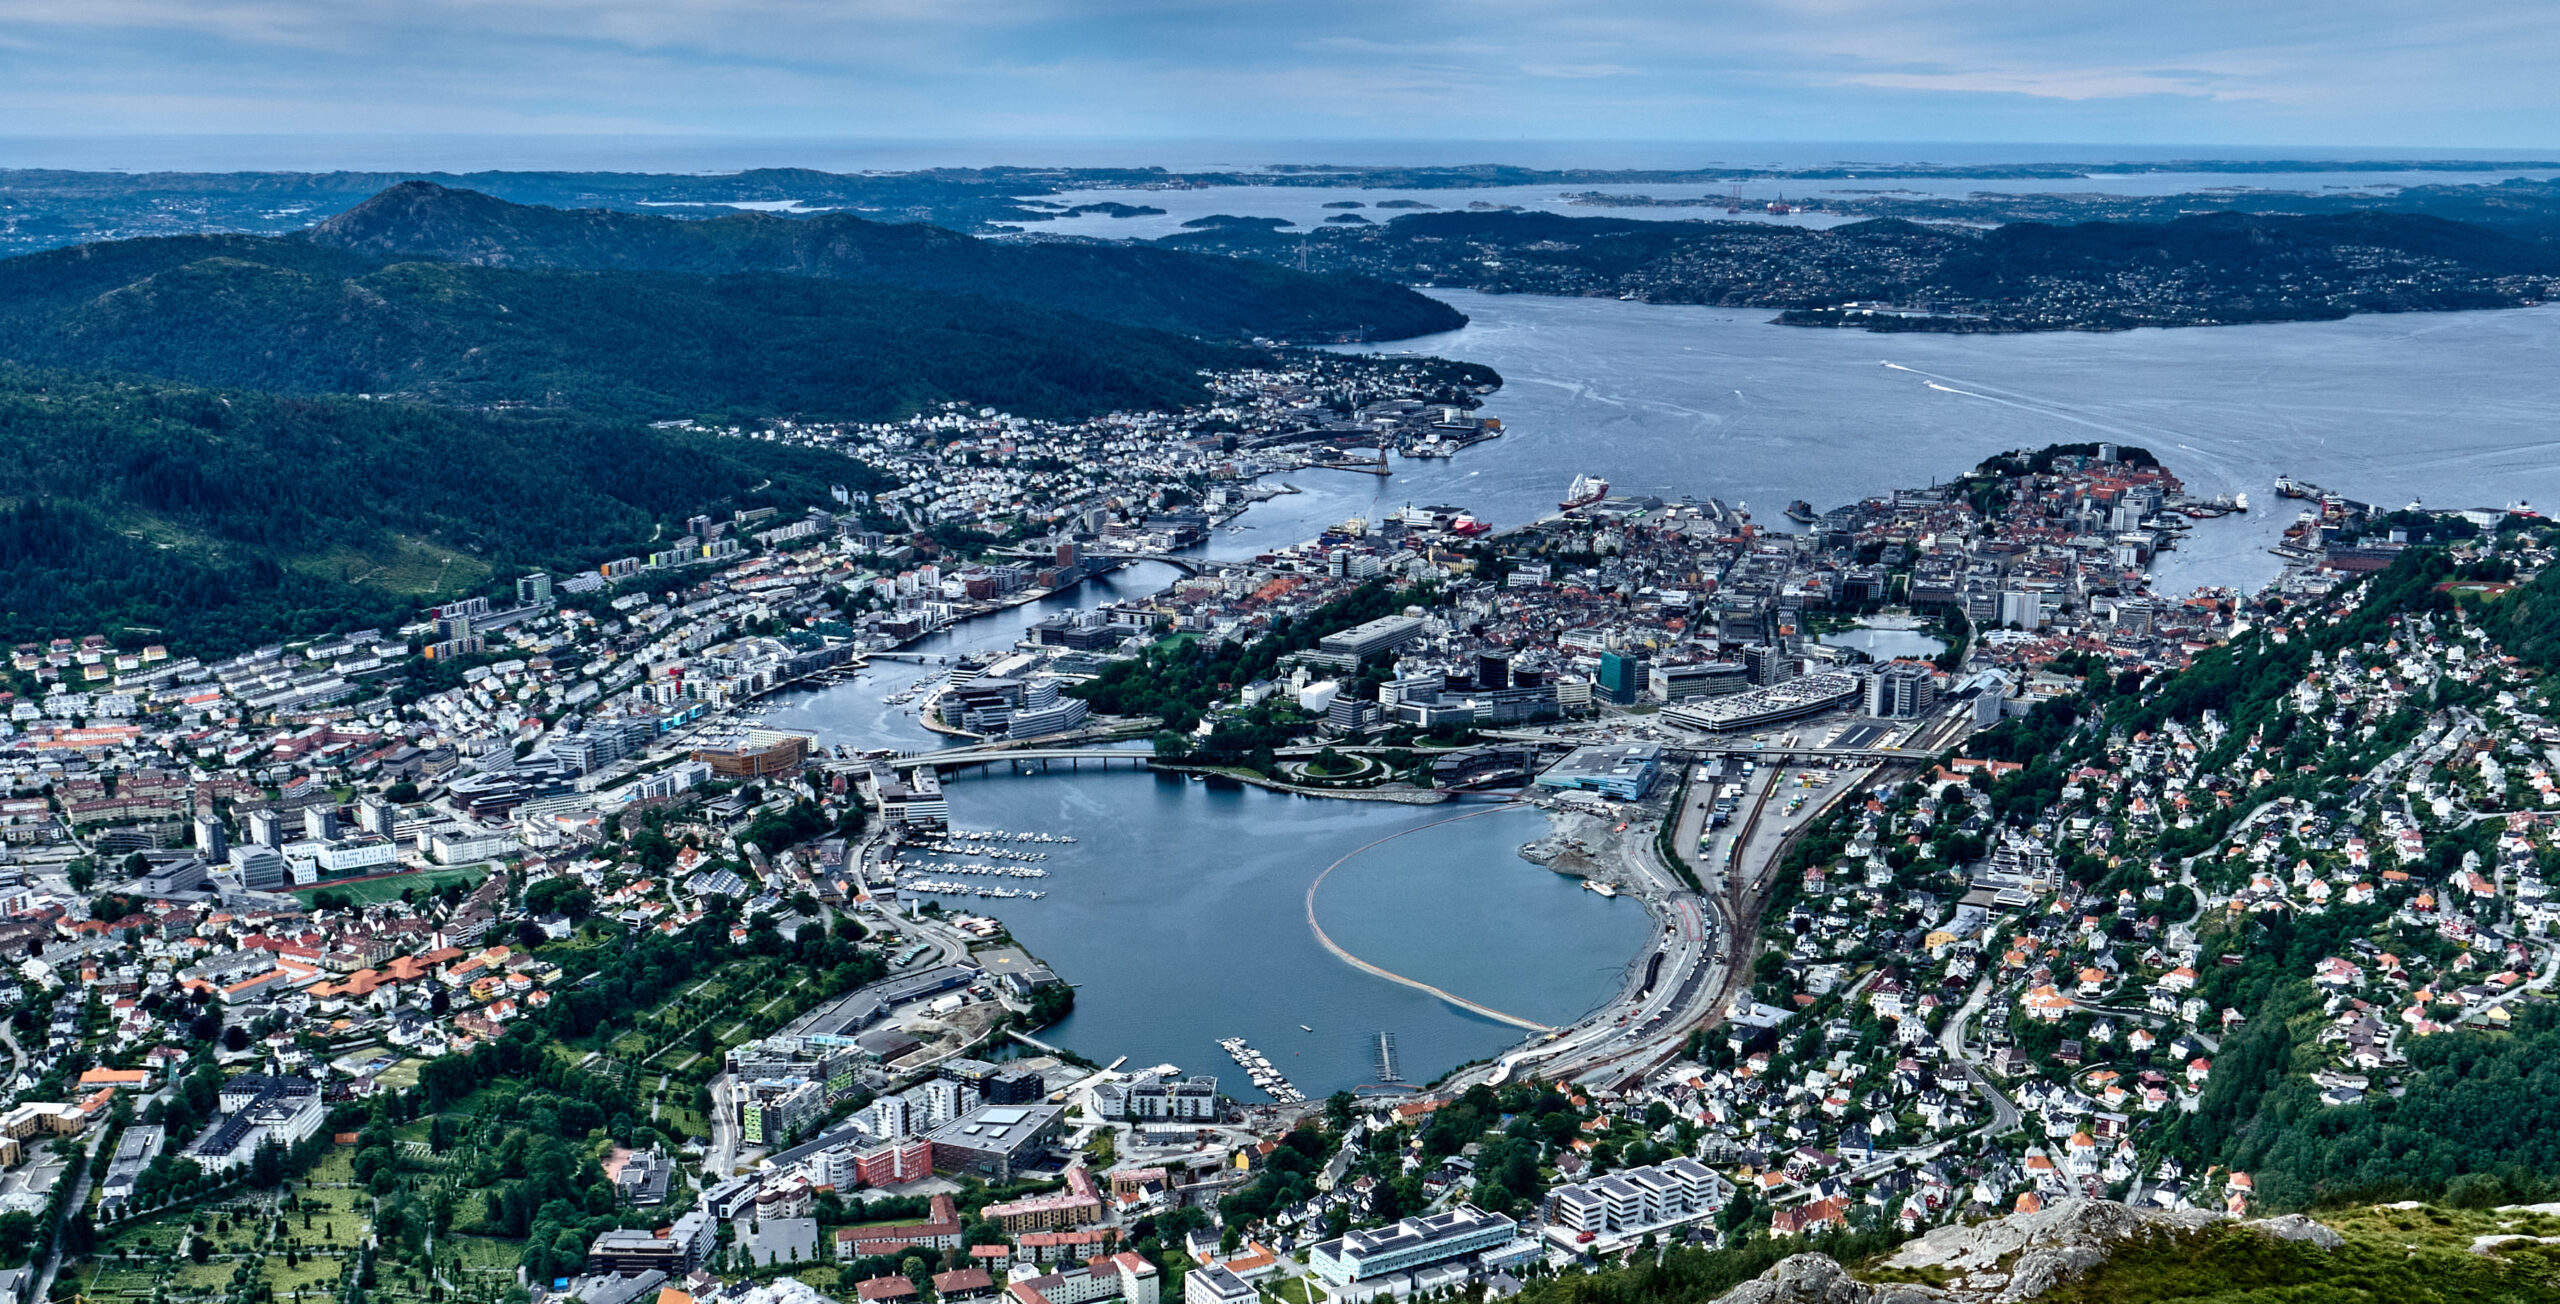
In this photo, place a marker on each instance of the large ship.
(1801, 512)
(1586, 490)
(2288, 487)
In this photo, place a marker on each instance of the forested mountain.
(227, 518)
(1134, 285)
(295, 317)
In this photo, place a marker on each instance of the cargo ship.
(1586, 490)
(1801, 512)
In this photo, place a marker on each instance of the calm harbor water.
(1181, 915)
(1180, 911)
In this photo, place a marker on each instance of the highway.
(1704, 939)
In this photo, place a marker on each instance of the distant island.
(1897, 275)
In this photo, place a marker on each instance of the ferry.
(1586, 490)
(1801, 512)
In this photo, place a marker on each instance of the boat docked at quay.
(1585, 490)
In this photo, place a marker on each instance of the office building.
(1622, 675)
(1767, 665)
(1704, 679)
(262, 869)
(1901, 690)
(210, 839)
(994, 1142)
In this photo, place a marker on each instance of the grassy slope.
(2415, 1255)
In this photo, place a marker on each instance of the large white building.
(1147, 1096)
(256, 1109)
(1600, 1214)
(1413, 1243)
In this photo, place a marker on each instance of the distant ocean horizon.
(718, 154)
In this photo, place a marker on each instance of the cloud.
(2360, 72)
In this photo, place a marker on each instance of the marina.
(1258, 1068)
(981, 891)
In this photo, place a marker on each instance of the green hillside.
(224, 519)
(1134, 285)
(294, 318)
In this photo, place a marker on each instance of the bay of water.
(1180, 914)
(1180, 910)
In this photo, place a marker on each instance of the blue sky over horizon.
(2361, 73)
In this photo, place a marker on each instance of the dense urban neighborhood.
(514, 953)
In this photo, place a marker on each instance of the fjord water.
(2455, 409)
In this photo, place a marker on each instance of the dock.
(1258, 1068)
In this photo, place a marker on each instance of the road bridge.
(1186, 564)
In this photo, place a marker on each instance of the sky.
(2483, 74)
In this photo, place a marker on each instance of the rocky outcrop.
(2003, 1261)
(2298, 1227)
(2024, 1255)
(1817, 1279)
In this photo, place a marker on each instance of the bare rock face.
(1816, 1279)
(2003, 1261)
(2022, 1256)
